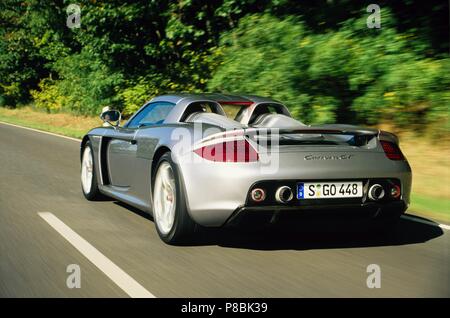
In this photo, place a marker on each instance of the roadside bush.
(145, 88)
(266, 56)
(139, 92)
(85, 86)
(48, 97)
(321, 60)
(412, 94)
(351, 75)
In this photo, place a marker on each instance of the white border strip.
(115, 273)
(41, 131)
(415, 219)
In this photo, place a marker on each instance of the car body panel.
(125, 159)
(228, 189)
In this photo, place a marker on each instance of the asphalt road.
(40, 173)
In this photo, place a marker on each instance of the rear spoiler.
(387, 136)
(358, 132)
(363, 132)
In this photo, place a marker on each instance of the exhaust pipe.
(258, 195)
(284, 194)
(376, 192)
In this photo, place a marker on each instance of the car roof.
(220, 98)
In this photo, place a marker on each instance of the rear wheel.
(89, 184)
(172, 220)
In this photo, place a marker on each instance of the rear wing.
(387, 136)
(321, 131)
(360, 134)
(355, 131)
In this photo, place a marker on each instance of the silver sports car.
(212, 160)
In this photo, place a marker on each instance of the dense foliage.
(320, 58)
(351, 74)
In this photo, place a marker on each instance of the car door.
(123, 146)
(121, 154)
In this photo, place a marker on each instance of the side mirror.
(111, 117)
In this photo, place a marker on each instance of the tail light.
(229, 151)
(391, 150)
(395, 191)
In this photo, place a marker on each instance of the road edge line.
(104, 264)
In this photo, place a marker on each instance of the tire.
(172, 220)
(89, 185)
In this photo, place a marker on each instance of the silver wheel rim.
(164, 199)
(86, 170)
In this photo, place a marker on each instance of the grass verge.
(429, 207)
(430, 165)
(64, 124)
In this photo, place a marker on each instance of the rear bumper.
(215, 191)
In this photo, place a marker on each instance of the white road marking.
(116, 274)
(412, 218)
(41, 131)
(444, 226)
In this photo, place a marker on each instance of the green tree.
(350, 75)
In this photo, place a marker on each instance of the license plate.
(329, 190)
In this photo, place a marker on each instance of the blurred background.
(321, 58)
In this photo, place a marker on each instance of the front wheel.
(89, 184)
(172, 220)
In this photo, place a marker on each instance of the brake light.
(391, 150)
(229, 151)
